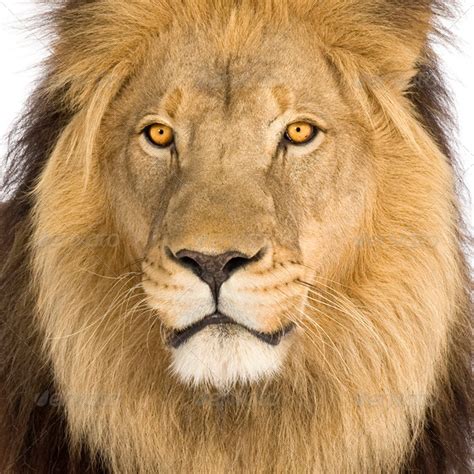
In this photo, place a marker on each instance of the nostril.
(185, 259)
(190, 263)
(240, 260)
(234, 264)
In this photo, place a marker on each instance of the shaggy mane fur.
(98, 46)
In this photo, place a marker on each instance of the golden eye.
(300, 133)
(159, 134)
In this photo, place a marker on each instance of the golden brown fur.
(378, 378)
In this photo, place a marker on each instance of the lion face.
(238, 183)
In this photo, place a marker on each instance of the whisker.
(311, 334)
(94, 313)
(341, 305)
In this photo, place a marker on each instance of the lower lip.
(178, 338)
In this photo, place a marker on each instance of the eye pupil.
(298, 129)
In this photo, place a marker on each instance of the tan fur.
(376, 240)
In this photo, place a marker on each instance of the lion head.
(243, 240)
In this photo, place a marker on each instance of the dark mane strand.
(32, 433)
(446, 443)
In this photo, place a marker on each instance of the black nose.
(214, 269)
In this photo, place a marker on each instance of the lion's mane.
(97, 46)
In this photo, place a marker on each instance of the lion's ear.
(384, 39)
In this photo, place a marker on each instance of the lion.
(234, 243)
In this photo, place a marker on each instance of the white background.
(21, 51)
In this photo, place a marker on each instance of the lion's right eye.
(159, 135)
(300, 133)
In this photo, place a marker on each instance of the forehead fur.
(103, 37)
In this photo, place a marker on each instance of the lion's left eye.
(300, 133)
(159, 135)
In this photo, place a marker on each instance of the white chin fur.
(224, 355)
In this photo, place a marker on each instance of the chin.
(222, 356)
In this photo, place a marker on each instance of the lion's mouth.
(178, 338)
